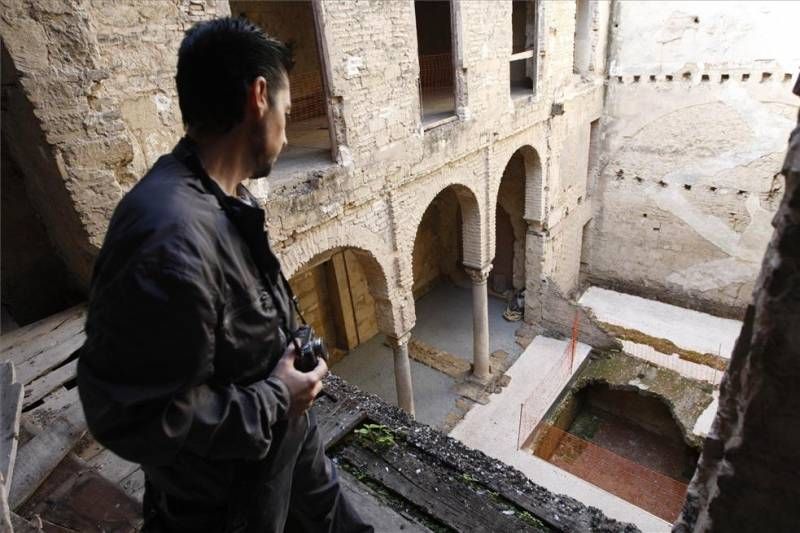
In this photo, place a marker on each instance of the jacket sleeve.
(145, 374)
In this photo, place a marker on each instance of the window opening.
(582, 46)
(308, 128)
(436, 67)
(523, 65)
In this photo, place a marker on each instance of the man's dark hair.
(217, 61)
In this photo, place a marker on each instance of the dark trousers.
(296, 489)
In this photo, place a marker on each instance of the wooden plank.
(62, 400)
(342, 299)
(39, 456)
(111, 466)
(373, 511)
(44, 385)
(45, 360)
(133, 484)
(87, 447)
(418, 481)
(31, 340)
(336, 419)
(5, 512)
(20, 525)
(11, 392)
(77, 498)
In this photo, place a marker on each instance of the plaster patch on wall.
(353, 66)
(711, 275)
(746, 248)
(769, 131)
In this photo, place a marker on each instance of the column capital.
(399, 340)
(478, 275)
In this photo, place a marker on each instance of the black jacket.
(188, 315)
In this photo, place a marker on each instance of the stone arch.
(519, 182)
(473, 223)
(535, 201)
(375, 258)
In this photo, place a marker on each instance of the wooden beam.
(31, 340)
(341, 285)
(527, 54)
(52, 357)
(44, 385)
(64, 426)
(11, 393)
(375, 511)
(448, 496)
(336, 419)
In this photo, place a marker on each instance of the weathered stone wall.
(98, 105)
(116, 111)
(697, 110)
(747, 478)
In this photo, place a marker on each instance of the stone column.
(480, 322)
(402, 372)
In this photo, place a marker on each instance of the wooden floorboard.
(442, 493)
(11, 392)
(374, 511)
(56, 403)
(50, 382)
(336, 418)
(111, 466)
(26, 342)
(39, 364)
(39, 456)
(77, 498)
(133, 485)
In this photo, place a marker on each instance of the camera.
(310, 349)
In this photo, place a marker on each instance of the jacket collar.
(244, 212)
(186, 151)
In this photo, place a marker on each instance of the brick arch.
(375, 257)
(534, 183)
(534, 201)
(472, 217)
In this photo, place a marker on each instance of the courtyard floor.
(444, 320)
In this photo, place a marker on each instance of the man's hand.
(303, 386)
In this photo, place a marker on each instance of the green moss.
(379, 434)
(585, 425)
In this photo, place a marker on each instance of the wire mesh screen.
(436, 71)
(308, 98)
(647, 489)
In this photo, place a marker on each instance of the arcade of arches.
(340, 296)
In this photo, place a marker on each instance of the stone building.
(461, 140)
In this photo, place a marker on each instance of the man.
(187, 366)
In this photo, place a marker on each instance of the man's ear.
(259, 95)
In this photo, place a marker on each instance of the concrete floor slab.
(493, 428)
(688, 329)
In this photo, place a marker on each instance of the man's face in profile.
(269, 137)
